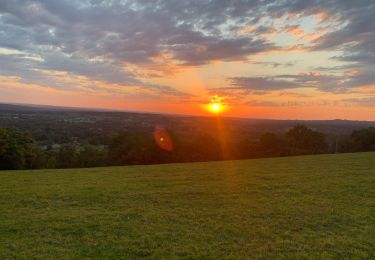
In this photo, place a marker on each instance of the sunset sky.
(298, 59)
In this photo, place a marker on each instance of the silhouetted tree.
(361, 140)
(303, 140)
(272, 145)
(204, 147)
(129, 148)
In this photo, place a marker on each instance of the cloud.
(97, 70)
(131, 32)
(262, 83)
(192, 31)
(275, 64)
(331, 83)
(366, 101)
(74, 74)
(105, 40)
(259, 103)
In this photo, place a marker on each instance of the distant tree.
(303, 140)
(129, 148)
(248, 148)
(204, 147)
(362, 140)
(337, 143)
(67, 157)
(18, 150)
(50, 158)
(92, 156)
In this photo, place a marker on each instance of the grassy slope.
(296, 207)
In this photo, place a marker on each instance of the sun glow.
(216, 105)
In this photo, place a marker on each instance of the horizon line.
(113, 110)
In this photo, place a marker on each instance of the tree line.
(18, 149)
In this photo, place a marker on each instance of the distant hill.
(33, 107)
(36, 116)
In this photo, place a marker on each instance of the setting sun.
(216, 107)
(216, 104)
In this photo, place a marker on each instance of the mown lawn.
(298, 207)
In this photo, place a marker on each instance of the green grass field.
(298, 207)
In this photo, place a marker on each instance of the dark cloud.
(323, 82)
(276, 64)
(96, 70)
(262, 83)
(212, 49)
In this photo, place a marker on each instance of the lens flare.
(163, 139)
